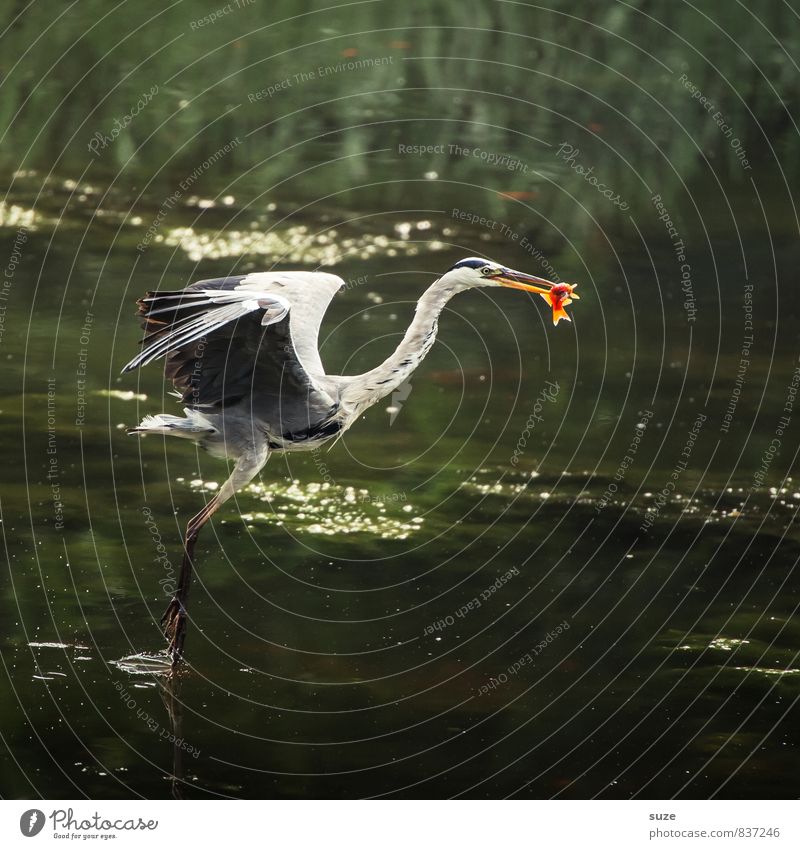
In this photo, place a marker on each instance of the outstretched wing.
(250, 335)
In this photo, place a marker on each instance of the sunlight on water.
(63, 652)
(327, 509)
(764, 670)
(709, 505)
(12, 215)
(727, 643)
(757, 649)
(296, 244)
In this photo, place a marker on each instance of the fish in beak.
(558, 295)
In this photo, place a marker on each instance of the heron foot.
(174, 624)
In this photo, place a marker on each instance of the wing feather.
(206, 319)
(248, 335)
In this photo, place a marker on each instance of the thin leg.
(175, 616)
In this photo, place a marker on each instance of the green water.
(483, 593)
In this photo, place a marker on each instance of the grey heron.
(242, 354)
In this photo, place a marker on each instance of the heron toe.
(174, 624)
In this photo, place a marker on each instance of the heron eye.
(486, 270)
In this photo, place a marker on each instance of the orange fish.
(560, 296)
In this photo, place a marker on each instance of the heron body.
(242, 353)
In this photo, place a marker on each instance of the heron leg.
(174, 620)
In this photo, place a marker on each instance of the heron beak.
(558, 295)
(525, 282)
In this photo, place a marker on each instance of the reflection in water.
(157, 671)
(169, 685)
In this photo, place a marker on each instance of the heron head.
(474, 271)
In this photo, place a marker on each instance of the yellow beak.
(528, 283)
(525, 282)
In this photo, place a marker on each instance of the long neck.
(363, 390)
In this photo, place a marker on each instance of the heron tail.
(194, 426)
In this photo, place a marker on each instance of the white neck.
(361, 391)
